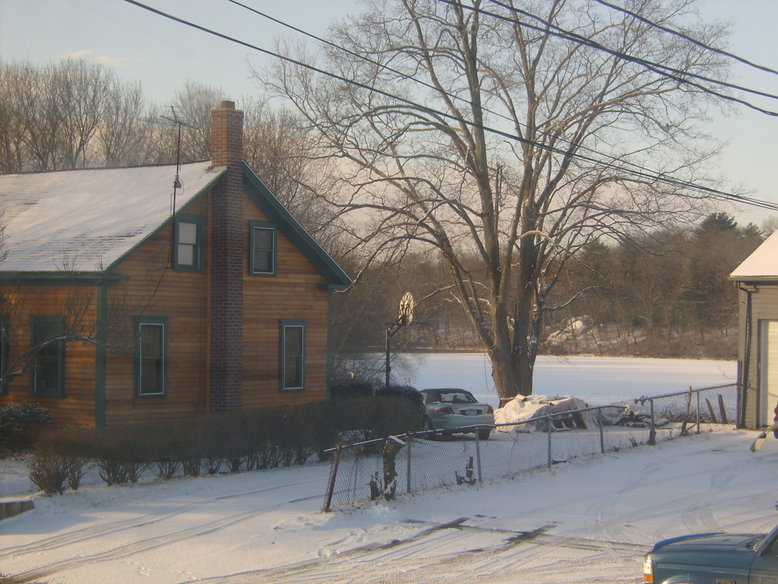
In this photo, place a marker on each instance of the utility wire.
(569, 35)
(688, 38)
(614, 160)
(644, 173)
(665, 71)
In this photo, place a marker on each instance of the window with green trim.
(262, 249)
(150, 356)
(47, 373)
(4, 340)
(189, 237)
(292, 355)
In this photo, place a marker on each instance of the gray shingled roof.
(85, 220)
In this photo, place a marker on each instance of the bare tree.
(125, 135)
(475, 129)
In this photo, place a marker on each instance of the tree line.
(663, 294)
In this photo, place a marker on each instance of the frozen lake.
(598, 380)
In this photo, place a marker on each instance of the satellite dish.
(406, 309)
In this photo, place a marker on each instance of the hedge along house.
(122, 303)
(757, 281)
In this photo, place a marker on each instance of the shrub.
(58, 461)
(20, 425)
(48, 473)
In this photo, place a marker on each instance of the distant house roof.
(762, 264)
(85, 220)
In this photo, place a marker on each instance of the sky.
(163, 55)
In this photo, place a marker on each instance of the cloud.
(90, 55)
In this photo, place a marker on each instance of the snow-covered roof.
(85, 220)
(762, 264)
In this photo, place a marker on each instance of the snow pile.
(522, 409)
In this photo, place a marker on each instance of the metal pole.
(478, 456)
(388, 366)
(548, 431)
(602, 431)
(652, 432)
(698, 412)
(331, 482)
(408, 443)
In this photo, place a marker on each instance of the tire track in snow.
(144, 544)
(433, 551)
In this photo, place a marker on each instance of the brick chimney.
(227, 260)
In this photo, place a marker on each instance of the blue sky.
(163, 55)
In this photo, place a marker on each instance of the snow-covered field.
(589, 520)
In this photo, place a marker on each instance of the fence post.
(602, 430)
(698, 412)
(652, 431)
(548, 430)
(478, 455)
(331, 481)
(408, 468)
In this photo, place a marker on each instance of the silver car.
(453, 410)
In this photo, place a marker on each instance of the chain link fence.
(420, 461)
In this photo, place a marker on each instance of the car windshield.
(454, 397)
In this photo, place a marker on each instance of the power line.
(569, 35)
(664, 70)
(614, 160)
(642, 173)
(688, 38)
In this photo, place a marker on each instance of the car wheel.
(427, 427)
(483, 433)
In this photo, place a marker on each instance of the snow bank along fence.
(419, 461)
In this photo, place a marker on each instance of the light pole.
(404, 317)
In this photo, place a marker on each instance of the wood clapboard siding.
(144, 284)
(293, 293)
(153, 289)
(77, 404)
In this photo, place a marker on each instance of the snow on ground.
(588, 520)
(597, 380)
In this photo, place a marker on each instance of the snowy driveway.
(586, 521)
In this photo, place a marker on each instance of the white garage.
(757, 282)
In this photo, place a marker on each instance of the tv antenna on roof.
(177, 180)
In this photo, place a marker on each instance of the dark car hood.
(710, 542)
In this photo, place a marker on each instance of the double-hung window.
(262, 249)
(150, 356)
(292, 355)
(47, 374)
(189, 249)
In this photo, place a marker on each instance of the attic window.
(262, 247)
(189, 234)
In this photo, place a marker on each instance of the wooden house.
(757, 281)
(124, 297)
